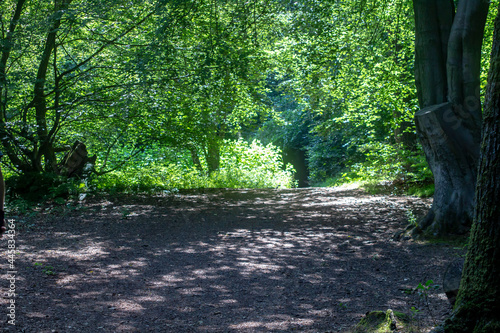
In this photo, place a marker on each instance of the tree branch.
(104, 46)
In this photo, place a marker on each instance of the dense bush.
(252, 165)
(243, 165)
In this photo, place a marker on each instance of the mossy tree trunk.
(477, 307)
(447, 73)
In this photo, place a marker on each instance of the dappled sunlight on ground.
(309, 260)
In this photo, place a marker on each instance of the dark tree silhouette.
(478, 302)
(447, 72)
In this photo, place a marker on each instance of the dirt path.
(305, 260)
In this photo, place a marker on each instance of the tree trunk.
(213, 156)
(195, 158)
(478, 302)
(6, 136)
(39, 98)
(451, 153)
(447, 74)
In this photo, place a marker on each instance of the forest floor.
(294, 260)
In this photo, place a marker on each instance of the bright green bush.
(252, 165)
(153, 177)
(243, 165)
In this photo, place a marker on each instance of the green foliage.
(49, 270)
(243, 165)
(333, 79)
(389, 162)
(154, 177)
(487, 45)
(342, 306)
(343, 84)
(328, 156)
(381, 161)
(386, 168)
(423, 289)
(252, 165)
(418, 189)
(46, 269)
(422, 190)
(64, 65)
(412, 219)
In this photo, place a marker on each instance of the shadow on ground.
(306, 260)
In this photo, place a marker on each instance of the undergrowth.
(387, 170)
(242, 165)
(384, 170)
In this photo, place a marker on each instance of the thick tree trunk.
(451, 153)
(477, 307)
(433, 21)
(447, 72)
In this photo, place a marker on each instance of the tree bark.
(433, 21)
(447, 74)
(478, 302)
(454, 169)
(213, 155)
(195, 158)
(39, 98)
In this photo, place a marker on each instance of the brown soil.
(300, 260)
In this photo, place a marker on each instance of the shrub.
(243, 165)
